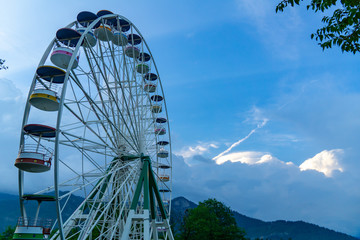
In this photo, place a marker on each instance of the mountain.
(10, 211)
(181, 204)
(276, 230)
(280, 229)
(256, 228)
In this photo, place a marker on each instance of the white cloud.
(9, 92)
(248, 157)
(200, 149)
(326, 162)
(256, 9)
(12, 103)
(256, 116)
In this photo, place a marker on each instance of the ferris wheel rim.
(60, 114)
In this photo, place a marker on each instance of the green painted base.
(27, 236)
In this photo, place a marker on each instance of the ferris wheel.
(96, 124)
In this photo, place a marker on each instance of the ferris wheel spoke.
(116, 76)
(102, 100)
(86, 125)
(111, 96)
(99, 203)
(88, 145)
(133, 118)
(131, 84)
(85, 153)
(135, 105)
(91, 182)
(92, 104)
(112, 64)
(76, 100)
(75, 138)
(98, 112)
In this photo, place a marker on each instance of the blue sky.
(234, 74)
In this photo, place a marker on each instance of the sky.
(261, 118)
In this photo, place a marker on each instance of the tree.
(210, 220)
(341, 29)
(8, 233)
(2, 66)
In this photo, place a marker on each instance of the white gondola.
(45, 99)
(164, 177)
(166, 203)
(28, 229)
(61, 57)
(132, 52)
(67, 39)
(163, 153)
(49, 84)
(90, 39)
(163, 166)
(33, 158)
(119, 39)
(142, 68)
(160, 131)
(104, 32)
(156, 108)
(161, 120)
(34, 227)
(36, 157)
(150, 88)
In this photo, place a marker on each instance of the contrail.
(241, 140)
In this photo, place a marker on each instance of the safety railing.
(34, 222)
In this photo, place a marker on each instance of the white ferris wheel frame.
(131, 177)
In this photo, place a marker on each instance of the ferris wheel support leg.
(147, 185)
(168, 230)
(37, 212)
(155, 233)
(125, 234)
(153, 220)
(155, 191)
(21, 193)
(146, 225)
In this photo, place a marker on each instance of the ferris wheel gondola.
(109, 141)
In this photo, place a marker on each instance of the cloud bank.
(261, 186)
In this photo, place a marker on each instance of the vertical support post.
(146, 225)
(157, 195)
(146, 200)
(127, 227)
(154, 227)
(152, 203)
(21, 193)
(151, 196)
(38, 144)
(146, 184)
(37, 212)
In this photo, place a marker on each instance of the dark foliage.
(210, 220)
(2, 66)
(8, 233)
(257, 229)
(342, 28)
